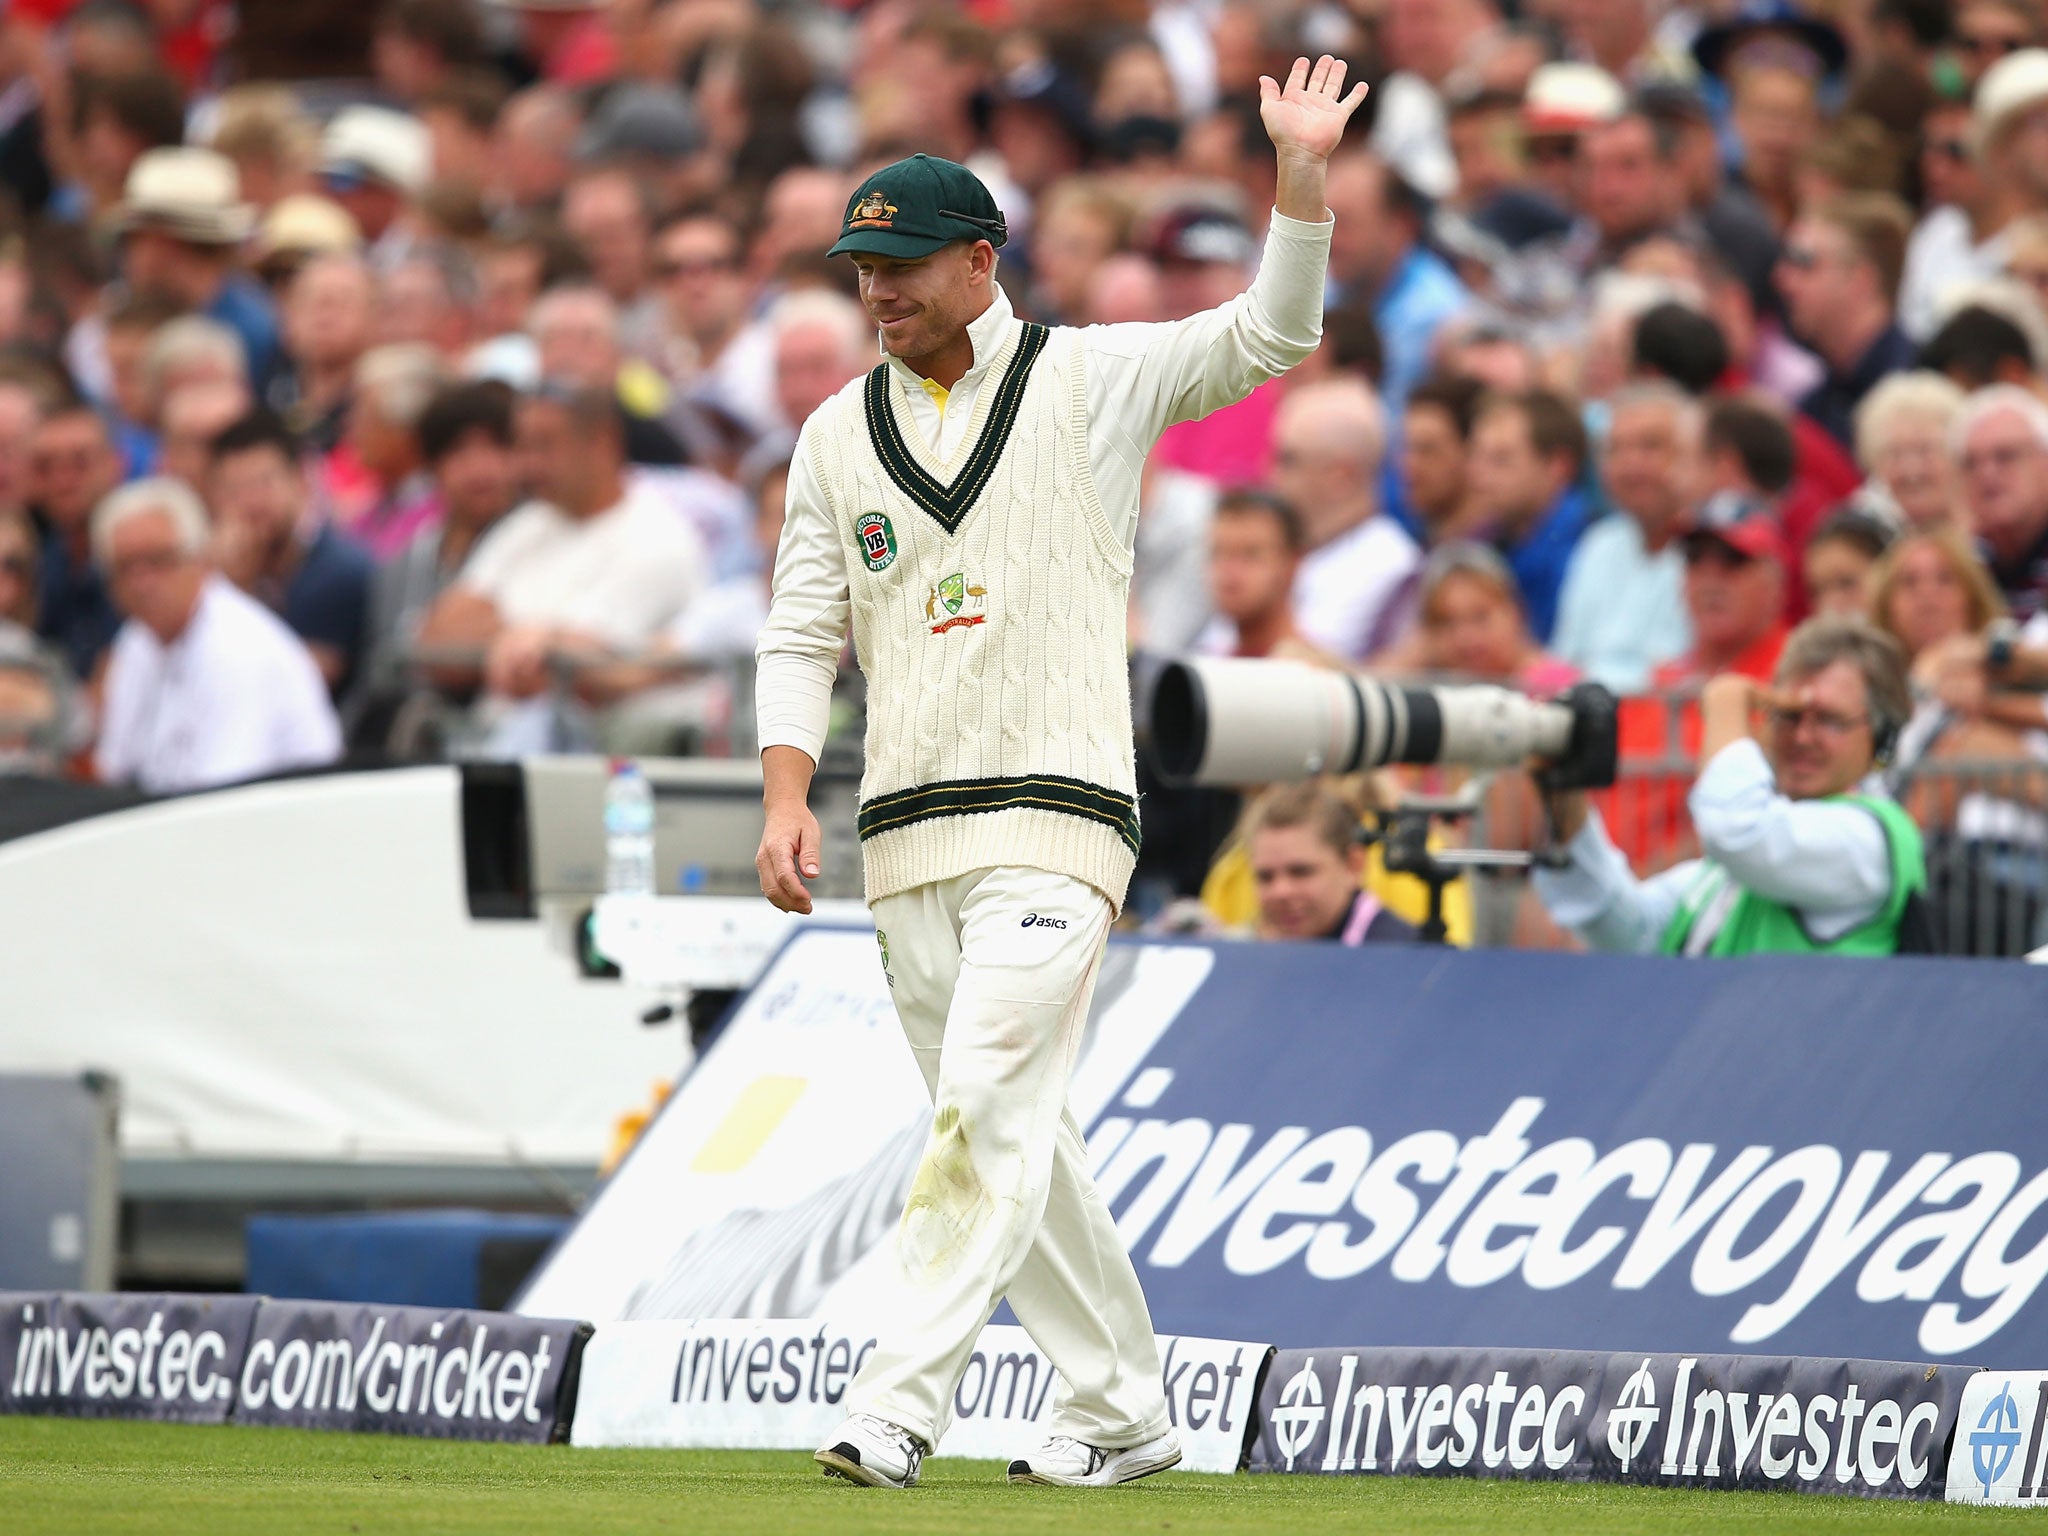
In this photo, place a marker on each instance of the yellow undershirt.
(939, 393)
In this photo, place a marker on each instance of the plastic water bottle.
(628, 831)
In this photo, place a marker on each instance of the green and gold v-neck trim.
(949, 503)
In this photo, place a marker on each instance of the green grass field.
(70, 1478)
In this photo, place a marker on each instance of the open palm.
(1310, 111)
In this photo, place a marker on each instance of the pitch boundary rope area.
(66, 1477)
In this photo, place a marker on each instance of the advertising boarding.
(1413, 1147)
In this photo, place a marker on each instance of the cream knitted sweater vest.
(988, 597)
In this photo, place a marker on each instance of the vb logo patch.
(877, 540)
(882, 939)
(963, 604)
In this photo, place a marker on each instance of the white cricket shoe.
(872, 1452)
(1063, 1462)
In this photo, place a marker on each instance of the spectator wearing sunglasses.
(1838, 272)
(2007, 140)
(1987, 31)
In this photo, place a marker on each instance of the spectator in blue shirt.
(1528, 452)
(314, 576)
(1622, 610)
(1377, 258)
(183, 222)
(72, 465)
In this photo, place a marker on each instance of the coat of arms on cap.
(877, 540)
(872, 212)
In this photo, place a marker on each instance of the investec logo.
(1480, 1210)
(1701, 1431)
(1687, 1431)
(1997, 1444)
(1382, 1428)
(121, 1364)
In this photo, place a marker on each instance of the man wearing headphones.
(1802, 854)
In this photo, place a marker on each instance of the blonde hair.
(401, 377)
(1981, 595)
(1919, 393)
(264, 122)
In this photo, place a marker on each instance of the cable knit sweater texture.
(978, 546)
(1010, 632)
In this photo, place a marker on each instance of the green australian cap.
(913, 207)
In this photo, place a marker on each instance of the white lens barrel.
(1231, 720)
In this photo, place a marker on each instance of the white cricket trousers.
(992, 974)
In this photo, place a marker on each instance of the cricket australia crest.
(963, 604)
(872, 212)
(877, 539)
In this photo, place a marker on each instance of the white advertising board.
(732, 1385)
(2000, 1453)
(768, 1183)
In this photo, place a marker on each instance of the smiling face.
(922, 306)
(1304, 885)
(1927, 599)
(1824, 744)
(1914, 465)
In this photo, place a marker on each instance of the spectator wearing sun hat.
(375, 163)
(182, 223)
(296, 229)
(1955, 248)
(1562, 103)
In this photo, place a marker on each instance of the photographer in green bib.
(1803, 852)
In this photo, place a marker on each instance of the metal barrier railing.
(1984, 822)
(421, 702)
(38, 705)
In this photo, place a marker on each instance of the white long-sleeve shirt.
(1141, 379)
(1828, 860)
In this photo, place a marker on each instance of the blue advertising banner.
(1876, 1428)
(137, 1355)
(1408, 1146)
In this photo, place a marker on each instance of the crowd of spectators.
(423, 376)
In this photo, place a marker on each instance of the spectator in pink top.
(393, 385)
(1205, 259)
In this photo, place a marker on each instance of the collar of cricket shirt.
(948, 489)
(986, 331)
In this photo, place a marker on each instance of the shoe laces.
(1097, 1455)
(897, 1435)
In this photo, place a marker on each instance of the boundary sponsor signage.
(2000, 1454)
(314, 1365)
(1876, 1428)
(449, 1374)
(123, 1356)
(729, 1206)
(1411, 1147)
(734, 1385)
